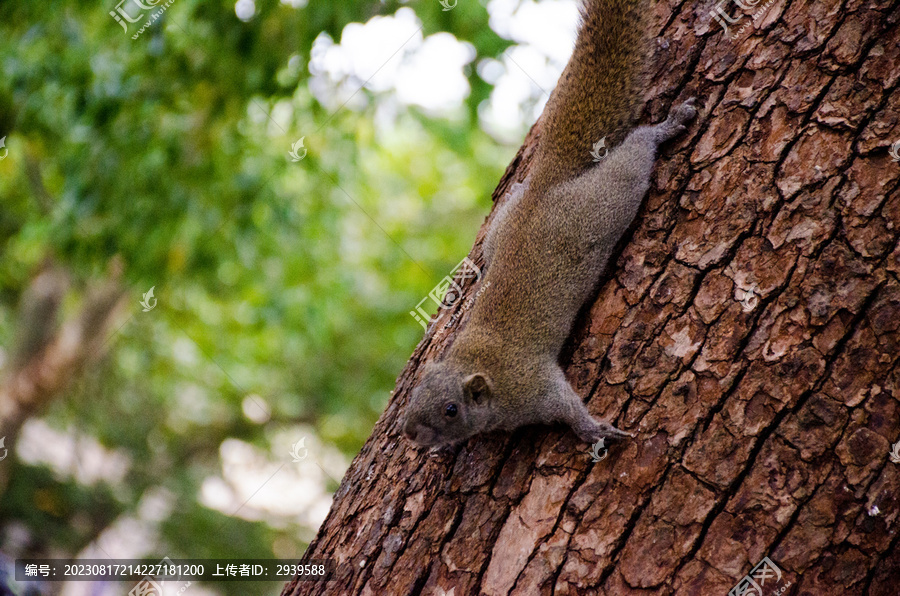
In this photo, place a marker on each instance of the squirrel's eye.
(450, 410)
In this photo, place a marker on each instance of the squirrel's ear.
(478, 387)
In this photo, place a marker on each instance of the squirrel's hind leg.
(676, 123)
(623, 177)
(637, 152)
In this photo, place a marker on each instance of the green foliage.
(288, 281)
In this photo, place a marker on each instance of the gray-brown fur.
(544, 253)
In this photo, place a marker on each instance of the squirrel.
(549, 244)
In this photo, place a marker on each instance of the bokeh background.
(218, 423)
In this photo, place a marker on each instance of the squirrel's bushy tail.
(599, 91)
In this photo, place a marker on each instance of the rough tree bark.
(764, 420)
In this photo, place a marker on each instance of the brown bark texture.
(749, 333)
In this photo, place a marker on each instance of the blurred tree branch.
(35, 179)
(47, 357)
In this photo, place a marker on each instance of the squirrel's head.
(448, 406)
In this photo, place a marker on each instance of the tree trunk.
(749, 334)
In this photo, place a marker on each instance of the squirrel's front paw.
(602, 430)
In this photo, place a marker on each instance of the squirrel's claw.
(616, 434)
(604, 430)
(441, 451)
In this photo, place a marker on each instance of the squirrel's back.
(543, 265)
(598, 93)
(549, 243)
